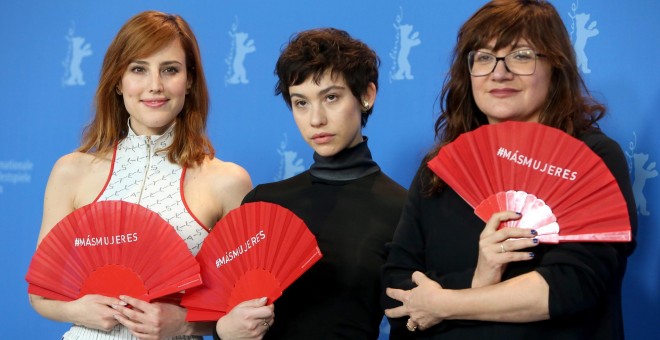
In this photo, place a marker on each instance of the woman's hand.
(421, 304)
(248, 320)
(156, 320)
(497, 248)
(93, 311)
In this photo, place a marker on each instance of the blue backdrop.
(54, 50)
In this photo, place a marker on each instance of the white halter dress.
(141, 174)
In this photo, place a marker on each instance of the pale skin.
(212, 190)
(154, 90)
(501, 96)
(248, 320)
(328, 115)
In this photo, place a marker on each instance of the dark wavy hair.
(315, 51)
(141, 36)
(568, 106)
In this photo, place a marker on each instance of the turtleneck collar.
(348, 164)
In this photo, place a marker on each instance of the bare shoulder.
(83, 171)
(71, 166)
(220, 184)
(230, 169)
(79, 170)
(223, 175)
(74, 181)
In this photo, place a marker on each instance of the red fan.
(562, 188)
(112, 248)
(256, 251)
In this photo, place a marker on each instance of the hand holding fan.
(112, 248)
(561, 187)
(256, 251)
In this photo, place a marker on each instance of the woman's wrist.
(67, 313)
(198, 328)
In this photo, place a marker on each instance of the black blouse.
(352, 208)
(439, 236)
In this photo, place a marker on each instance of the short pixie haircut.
(313, 52)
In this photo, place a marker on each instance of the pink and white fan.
(559, 185)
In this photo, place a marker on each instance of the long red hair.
(141, 36)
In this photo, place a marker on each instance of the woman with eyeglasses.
(448, 276)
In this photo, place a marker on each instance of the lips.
(504, 92)
(154, 102)
(322, 138)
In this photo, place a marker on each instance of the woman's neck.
(348, 164)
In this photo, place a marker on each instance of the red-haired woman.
(147, 144)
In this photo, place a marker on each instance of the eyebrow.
(322, 92)
(512, 50)
(165, 63)
(518, 45)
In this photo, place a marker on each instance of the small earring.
(365, 105)
(118, 90)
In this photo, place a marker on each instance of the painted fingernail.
(518, 212)
(535, 240)
(534, 232)
(531, 255)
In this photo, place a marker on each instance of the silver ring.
(502, 248)
(267, 325)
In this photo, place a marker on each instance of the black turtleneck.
(352, 208)
(346, 165)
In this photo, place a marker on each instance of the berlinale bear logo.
(640, 174)
(77, 51)
(406, 39)
(582, 32)
(241, 47)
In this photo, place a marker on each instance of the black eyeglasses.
(520, 62)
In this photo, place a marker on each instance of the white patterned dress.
(142, 175)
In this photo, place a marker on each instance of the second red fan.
(256, 251)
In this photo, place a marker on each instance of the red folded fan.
(256, 251)
(561, 187)
(112, 248)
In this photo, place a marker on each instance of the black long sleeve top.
(439, 235)
(352, 208)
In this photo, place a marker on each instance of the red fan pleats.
(256, 251)
(112, 248)
(496, 166)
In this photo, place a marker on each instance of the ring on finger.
(267, 325)
(502, 250)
